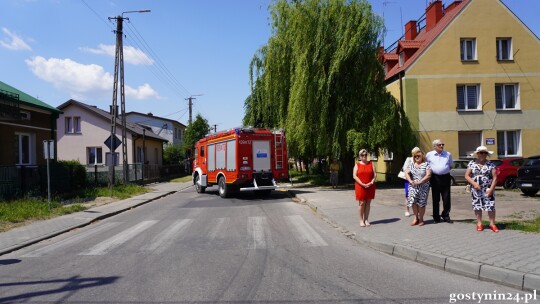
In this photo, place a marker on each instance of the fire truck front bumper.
(256, 187)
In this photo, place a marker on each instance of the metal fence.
(20, 181)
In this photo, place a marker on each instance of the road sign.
(48, 149)
(115, 145)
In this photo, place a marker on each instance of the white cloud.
(14, 42)
(142, 92)
(131, 55)
(83, 80)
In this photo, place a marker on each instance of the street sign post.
(115, 143)
(48, 151)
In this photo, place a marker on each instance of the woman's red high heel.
(494, 228)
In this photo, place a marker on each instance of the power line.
(158, 60)
(159, 70)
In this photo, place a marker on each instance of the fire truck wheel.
(223, 191)
(198, 187)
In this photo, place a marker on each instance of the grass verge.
(19, 212)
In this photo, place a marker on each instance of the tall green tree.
(173, 155)
(319, 77)
(198, 129)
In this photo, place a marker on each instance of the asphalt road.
(199, 248)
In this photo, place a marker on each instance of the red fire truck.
(241, 159)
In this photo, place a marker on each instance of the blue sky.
(60, 49)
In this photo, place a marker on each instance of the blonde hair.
(416, 150)
(362, 152)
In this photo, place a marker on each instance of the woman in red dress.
(364, 175)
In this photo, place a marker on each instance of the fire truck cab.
(240, 159)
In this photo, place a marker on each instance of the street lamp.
(119, 66)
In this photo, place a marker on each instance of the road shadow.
(9, 261)
(211, 199)
(69, 287)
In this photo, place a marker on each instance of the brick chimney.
(452, 6)
(433, 14)
(410, 30)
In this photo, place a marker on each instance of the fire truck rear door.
(261, 155)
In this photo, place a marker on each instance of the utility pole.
(215, 127)
(190, 105)
(119, 69)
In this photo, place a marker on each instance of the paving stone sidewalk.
(508, 257)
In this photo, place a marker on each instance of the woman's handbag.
(401, 174)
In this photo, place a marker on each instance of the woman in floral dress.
(482, 176)
(418, 175)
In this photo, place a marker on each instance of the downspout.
(400, 91)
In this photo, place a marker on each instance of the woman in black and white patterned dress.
(482, 176)
(418, 175)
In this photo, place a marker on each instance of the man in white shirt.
(441, 163)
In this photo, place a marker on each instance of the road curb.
(83, 224)
(511, 278)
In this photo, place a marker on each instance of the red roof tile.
(425, 39)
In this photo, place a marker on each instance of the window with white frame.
(508, 143)
(68, 125)
(72, 125)
(387, 155)
(25, 115)
(468, 49)
(401, 59)
(468, 97)
(373, 156)
(141, 154)
(94, 155)
(507, 96)
(504, 48)
(76, 125)
(25, 153)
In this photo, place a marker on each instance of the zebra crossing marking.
(72, 239)
(119, 239)
(307, 236)
(163, 240)
(259, 232)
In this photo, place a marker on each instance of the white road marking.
(259, 233)
(70, 240)
(165, 239)
(119, 239)
(218, 225)
(307, 236)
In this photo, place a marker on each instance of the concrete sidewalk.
(40, 230)
(508, 257)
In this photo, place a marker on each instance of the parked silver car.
(457, 173)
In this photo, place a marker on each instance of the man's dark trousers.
(440, 186)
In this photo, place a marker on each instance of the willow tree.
(319, 77)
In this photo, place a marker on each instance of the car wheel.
(529, 192)
(510, 182)
(223, 191)
(452, 181)
(198, 187)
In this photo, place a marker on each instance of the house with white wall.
(169, 129)
(83, 130)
